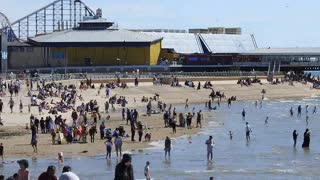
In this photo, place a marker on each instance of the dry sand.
(17, 140)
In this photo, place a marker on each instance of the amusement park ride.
(58, 15)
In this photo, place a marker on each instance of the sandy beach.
(16, 138)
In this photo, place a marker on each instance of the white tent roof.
(180, 42)
(218, 43)
(227, 43)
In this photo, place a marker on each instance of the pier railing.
(94, 76)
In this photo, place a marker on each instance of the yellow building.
(95, 43)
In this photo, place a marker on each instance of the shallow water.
(269, 154)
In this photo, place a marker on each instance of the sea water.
(269, 154)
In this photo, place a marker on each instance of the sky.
(274, 23)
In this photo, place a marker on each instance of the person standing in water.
(210, 105)
(23, 173)
(230, 135)
(167, 147)
(248, 131)
(243, 114)
(306, 139)
(307, 120)
(299, 111)
(209, 143)
(266, 121)
(109, 145)
(199, 118)
(147, 171)
(229, 102)
(315, 110)
(295, 137)
(1, 152)
(34, 143)
(124, 169)
(187, 105)
(307, 106)
(118, 145)
(291, 111)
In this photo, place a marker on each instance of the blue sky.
(275, 23)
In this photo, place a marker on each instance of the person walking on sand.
(199, 86)
(167, 147)
(147, 171)
(21, 106)
(102, 128)
(1, 106)
(140, 130)
(295, 137)
(107, 92)
(106, 107)
(92, 132)
(11, 104)
(248, 131)
(209, 143)
(174, 126)
(133, 132)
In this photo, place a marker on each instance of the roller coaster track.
(58, 15)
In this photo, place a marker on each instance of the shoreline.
(18, 146)
(94, 149)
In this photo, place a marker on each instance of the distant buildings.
(217, 30)
(210, 30)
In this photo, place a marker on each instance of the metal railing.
(68, 76)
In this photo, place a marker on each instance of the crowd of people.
(87, 120)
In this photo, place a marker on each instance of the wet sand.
(17, 140)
